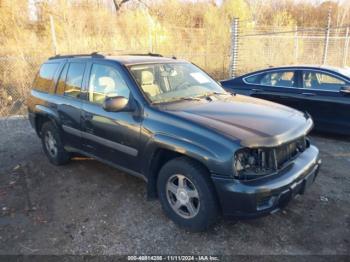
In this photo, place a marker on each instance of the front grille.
(288, 151)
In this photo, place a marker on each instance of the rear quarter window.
(44, 80)
(253, 79)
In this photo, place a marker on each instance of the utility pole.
(326, 40)
(296, 45)
(234, 47)
(346, 46)
(53, 35)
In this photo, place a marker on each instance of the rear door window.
(62, 80)
(74, 79)
(44, 80)
(279, 79)
(275, 78)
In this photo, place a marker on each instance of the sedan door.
(280, 86)
(322, 98)
(112, 136)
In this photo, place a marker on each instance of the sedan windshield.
(168, 82)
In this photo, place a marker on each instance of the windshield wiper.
(218, 93)
(188, 98)
(206, 95)
(196, 98)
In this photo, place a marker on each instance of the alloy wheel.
(182, 196)
(51, 144)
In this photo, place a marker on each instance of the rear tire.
(52, 144)
(187, 194)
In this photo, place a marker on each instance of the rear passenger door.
(280, 86)
(69, 102)
(112, 136)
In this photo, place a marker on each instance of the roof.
(135, 59)
(326, 67)
(344, 71)
(122, 59)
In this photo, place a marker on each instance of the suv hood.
(254, 122)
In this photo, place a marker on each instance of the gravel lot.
(87, 207)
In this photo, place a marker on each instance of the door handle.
(257, 90)
(87, 116)
(308, 94)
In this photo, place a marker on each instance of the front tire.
(52, 144)
(187, 195)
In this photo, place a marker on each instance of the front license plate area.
(301, 186)
(308, 180)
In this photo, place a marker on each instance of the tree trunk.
(118, 4)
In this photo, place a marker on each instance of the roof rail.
(100, 55)
(93, 54)
(148, 54)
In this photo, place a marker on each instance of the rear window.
(44, 80)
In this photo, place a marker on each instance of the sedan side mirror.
(115, 104)
(345, 90)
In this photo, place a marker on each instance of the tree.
(236, 8)
(118, 4)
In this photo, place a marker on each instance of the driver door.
(321, 97)
(112, 136)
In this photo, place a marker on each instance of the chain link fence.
(197, 45)
(259, 47)
(16, 76)
(234, 51)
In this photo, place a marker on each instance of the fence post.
(346, 47)
(326, 40)
(296, 45)
(234, 47)
(206, 49)
(53, 34)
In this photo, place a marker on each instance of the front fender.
(185, 147)
(217, 160)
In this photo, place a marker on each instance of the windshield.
(169, 82)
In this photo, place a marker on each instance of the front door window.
(106, 81)
(321, 81)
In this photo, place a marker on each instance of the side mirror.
(115, 104)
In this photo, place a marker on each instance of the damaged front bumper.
(268, 194)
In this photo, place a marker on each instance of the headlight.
(252, 163)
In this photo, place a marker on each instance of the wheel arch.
(164, 149)
(43, 115)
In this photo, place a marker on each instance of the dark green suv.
(203, 151)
